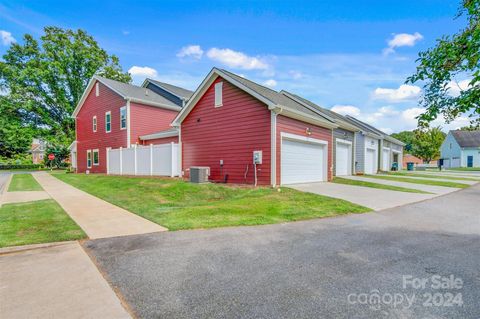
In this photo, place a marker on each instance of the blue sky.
(352, 56)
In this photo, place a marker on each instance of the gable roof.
(467, 138)
(375, 131)
(129, 92)
(337, 118)
(273, 99)
(182, 93)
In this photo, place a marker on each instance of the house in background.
(461, 149)
(112, 114)
(343, 137)
(409, 158)
(250, 134)
(38, 151)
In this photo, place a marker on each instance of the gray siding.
(397, 147)
(360, 153)
(343, 135)
(169, 96)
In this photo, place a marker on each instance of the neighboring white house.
(461, 149)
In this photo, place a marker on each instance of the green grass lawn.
(435, 176)
(36, 222)
(419, 181)
(348, 181)
(23, 182)
(177, 204)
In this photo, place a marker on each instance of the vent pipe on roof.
(146, 92)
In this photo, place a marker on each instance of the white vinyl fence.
(158, 160)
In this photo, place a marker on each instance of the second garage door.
(302, 162)
(370, 161)
(343, 159)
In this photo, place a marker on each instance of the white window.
(108, 122)
(123, 117)
(97, 89)
(218, 94)
(94, 123)
(95, 157)
(89, 158)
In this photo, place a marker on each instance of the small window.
(450, 145)
(218, 94)
(123, 117)
(108, 122)
(95, 157)
(97, 89)
(94, 123)
(89, 158)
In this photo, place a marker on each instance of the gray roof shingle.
(176, 90)
(136, 92)
(467, 138)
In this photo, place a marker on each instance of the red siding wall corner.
(149, 119)
(293, 126)
(87, 139)
(230, 133)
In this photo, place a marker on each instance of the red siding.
(163, 140)
(148, 119)
(289, 125)
(87, 139)
(230, 133)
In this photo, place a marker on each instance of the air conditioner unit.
(199, 174)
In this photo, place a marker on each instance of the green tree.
(427, 143)
(15, 137)
(439, 68)
(407, 137)
(61, 154)
(48, 77)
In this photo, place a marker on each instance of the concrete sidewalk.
(434, 179)
(374, 198)
(58, 281)
(426, 188)
(98, 218)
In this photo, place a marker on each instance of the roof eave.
(165, 106)
(288, 112)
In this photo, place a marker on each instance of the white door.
(386, 160)
(302, 162)
(343, 159)
(370, 159)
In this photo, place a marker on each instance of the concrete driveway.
(312, 269)
(374, 198)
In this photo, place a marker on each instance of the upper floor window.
(218, 94)
(108, 122)
(94, 123)
(97, 89)
(450, 145)
(123, 117)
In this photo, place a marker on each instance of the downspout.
(128, 124)
(273, 145)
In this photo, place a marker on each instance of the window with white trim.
(123, 117)
(97, 89)
(218, 94)
(96, 159)
(89, 158)
(108, 122)
(94, 123)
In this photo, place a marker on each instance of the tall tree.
(453, 58)
(15, 136)
(407, 137)
(427, 143)
(47, 77)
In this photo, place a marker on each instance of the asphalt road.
(325, 268)
(3, 180)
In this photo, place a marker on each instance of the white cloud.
(386, 130)
(236, 59)
(402, 40)
(193, 51)
(454, 87)
(404, 93)
(296, 75)
(409, 115)
(270, 83)
(346, 110)
(7, 37)
(143, 71)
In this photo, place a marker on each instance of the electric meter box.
(257, 157)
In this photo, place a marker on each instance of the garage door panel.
(370, 159)
(342, 159)
(301, 162)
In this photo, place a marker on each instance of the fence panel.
(160, 160)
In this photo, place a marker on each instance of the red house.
(112, 114)
(247, 133)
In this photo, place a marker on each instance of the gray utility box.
(199, 174)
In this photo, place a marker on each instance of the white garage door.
(302, 162)
(386, 160)
(370, 159)
(343, 159)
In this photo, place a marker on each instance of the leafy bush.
(20, 166)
